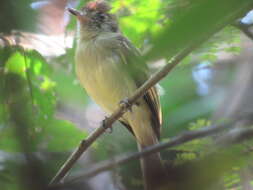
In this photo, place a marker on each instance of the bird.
(110, 68)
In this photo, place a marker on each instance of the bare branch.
(183, 138)
(233, 136)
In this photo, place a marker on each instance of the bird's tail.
(154, 172)
(140, 122)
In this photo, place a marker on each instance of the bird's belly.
(105, 81)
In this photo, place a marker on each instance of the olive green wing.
(137, 68)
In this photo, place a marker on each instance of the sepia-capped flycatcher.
(110, 69)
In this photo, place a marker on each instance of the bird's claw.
(109, 129)
(126, 104)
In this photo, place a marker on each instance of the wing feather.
(131, 57)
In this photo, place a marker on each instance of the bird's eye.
(101, 16)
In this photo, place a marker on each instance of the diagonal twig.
(114, 162)
(233, 136)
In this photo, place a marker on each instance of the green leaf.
(141, 20)
(194, 24)
(8, 140)
(38, 100)
(62, 135)
(16, 64)
(233, 49)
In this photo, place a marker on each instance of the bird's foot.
(104, 125)
(126, 104)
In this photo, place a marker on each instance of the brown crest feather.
(98, 5)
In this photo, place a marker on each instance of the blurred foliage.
(27, 109)
(16, 15)
(139, 17)
(35, 74)
(161, 28)
(194, 24)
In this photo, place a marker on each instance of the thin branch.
(233, 136)
(183, 138)
(138, 94)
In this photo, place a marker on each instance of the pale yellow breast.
(100, 73)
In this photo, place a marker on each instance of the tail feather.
(140, 121)
(154, 173)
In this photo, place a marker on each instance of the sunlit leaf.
(16, 64)
(47, 84)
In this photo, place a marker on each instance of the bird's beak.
(75, 12)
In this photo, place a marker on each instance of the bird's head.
(95, 18)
